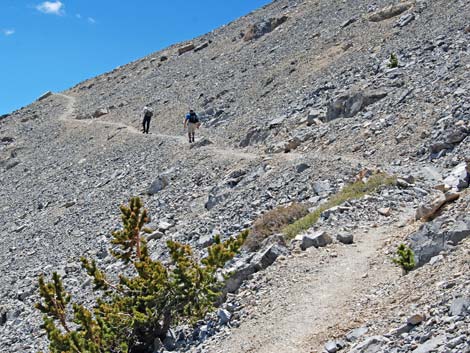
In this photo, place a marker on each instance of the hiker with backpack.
(192, 123)
(148, 113)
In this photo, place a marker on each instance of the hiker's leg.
(148, 126)
(189, 136)
(143, 126)
(193, 136)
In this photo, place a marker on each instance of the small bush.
(352, 191)
(393, 61)
(130, 315)
(405, 259)
(272, 222)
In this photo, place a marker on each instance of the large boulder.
(267, 257)
(322, 188)
(185, 48)
(201, 46)
(315, 116)
(238, 273)
(431, 345)
(277, 122)
(158, 185)
(390, 11)
(317, 239)
(459, 177)
(255, 135)
(244, 267)
(460, 306)
(100, 112)
(217, 195)
(434, 237)
(349, 104)
(429, 209)
(448, 140)
(345, 238)
(284, 146)
(261, 28)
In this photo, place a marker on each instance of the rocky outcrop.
(186, 48)
(259, 29)
(349, 104)
(459, 177)
(391, 11)
(255, 135)
(428, 210)
(158, 184)
(100, 112)
(45, 95)
(438, 235)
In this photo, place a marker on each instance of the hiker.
(148, 113)
(192, 122)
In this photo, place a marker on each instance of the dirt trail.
(303, 301)
(68, 117)
(225, 153)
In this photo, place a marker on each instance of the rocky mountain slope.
(296, 99)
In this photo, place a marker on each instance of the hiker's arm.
(185, 121)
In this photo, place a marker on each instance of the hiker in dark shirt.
(148, 113)
(192, 123)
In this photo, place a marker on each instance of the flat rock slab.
(45, 95)
(430, 345)
(370, 345)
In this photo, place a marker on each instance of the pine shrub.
(405, 259)
(393, 61)
(132, 313)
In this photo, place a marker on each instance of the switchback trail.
(68, 117)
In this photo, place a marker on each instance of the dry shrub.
(352, 191)
(272, 222)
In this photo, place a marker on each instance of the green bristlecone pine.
(405, 259)
(131, 314)
(393, 61)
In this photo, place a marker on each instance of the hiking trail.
(68, 117)
(304, 299)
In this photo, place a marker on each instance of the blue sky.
(52, 45)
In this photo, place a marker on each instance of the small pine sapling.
(130, 314)
(393, 61)
(405, 259)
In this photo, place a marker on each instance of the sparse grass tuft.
(352, 191)
(272, 222)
